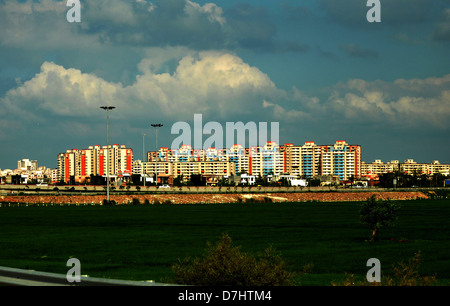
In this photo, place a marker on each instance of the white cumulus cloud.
(207, 82)
(405, 102)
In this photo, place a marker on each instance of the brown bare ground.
(215, 198)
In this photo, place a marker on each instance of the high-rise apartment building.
(266, 160)
(341, 160)
(258, 161)
(310, 160)
(95, 160)
(186, 169)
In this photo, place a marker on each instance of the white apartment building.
(186, 169)
(412, 167)
(27, 165)
(378, 167)
(409, 166)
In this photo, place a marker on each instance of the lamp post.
(107, 108)
(143, 156)
(156, 126)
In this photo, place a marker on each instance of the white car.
(164, 186)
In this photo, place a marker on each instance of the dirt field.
(213, 198)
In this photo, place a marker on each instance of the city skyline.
(340, 162)
(318, 67)
(151, 152)
(91, 159)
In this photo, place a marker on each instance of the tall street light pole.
(107, 108)
(143, 156)
(156, 126)
(143, 147)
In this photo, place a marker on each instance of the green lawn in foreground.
(142, 242)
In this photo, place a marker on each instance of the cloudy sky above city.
(317, 67)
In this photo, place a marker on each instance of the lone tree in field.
(378, 213)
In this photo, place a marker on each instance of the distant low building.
(293, 180)
(243, 179)
(409, 166)
(27, 165)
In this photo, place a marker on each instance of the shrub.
(225, 264)
(267, 200)
(110, 202)
(404, 274)
(407, 274)
(135, 201)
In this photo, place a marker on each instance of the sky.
(317, 67)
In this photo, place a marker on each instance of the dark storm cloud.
(164, 23)
(250, 27)
(184, 23)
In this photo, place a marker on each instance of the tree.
(177, 182)
(378, 213)
(97, 180)
(285, 182)
(108, 203)
(387, 179)
(136, 179)
(226, 265)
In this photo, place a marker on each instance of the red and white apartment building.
(95, 160)
(340, 160)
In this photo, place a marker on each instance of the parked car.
(164, 186)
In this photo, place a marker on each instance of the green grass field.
(142, 242)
